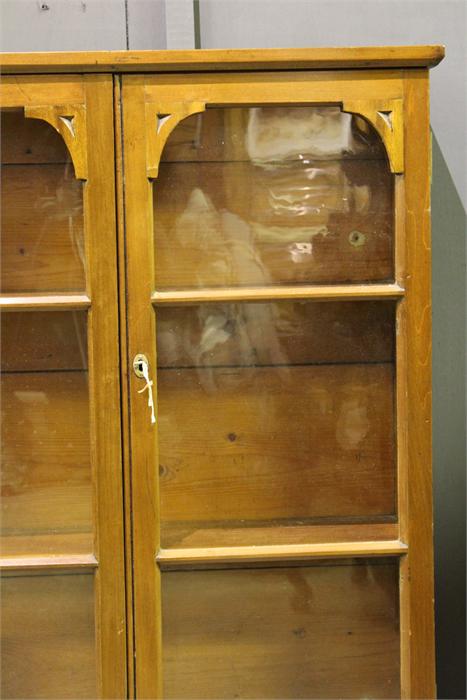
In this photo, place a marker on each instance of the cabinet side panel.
(418, 286)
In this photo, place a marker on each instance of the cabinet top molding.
(225, 59)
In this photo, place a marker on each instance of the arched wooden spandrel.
(161, 120)
(386, 117)
(70, 122)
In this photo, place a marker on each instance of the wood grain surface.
(248, 444)
(249, 556)
(48, 637)
(210, 534)
(47, 545)
(417, 602)
(42, 229)
(46, 453)
(21, 90)
(213, 59)
(326, 631)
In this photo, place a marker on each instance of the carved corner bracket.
(161, 120)
(70, 122)
(386, 117)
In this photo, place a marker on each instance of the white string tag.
(148, 386)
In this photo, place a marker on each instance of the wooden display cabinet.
(216, 374)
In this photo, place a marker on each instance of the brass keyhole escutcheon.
(139, 361)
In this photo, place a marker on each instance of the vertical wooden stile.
(126, 456)
(104, 381)
(141, 339)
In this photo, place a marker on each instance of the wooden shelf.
(47, 551)
(207, 556)
(314, 292)
(226, 534)
(53, 561)
(42, 302)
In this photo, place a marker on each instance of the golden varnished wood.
(271, 535)
(221, 60)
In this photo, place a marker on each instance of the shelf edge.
(175, 558)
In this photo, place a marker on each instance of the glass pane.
(274, 414)
(273, 195)
(324, 631)
(46, 481)
(42, 242)
(48, 639)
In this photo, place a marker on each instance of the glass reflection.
(283, 195)
(295, 403)
(48, 637)
(46, 476)
(282, 632)
(42, 210)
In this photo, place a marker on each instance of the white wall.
(82, 25)
(300, 23)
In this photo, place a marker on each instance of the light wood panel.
(326, 631)
(257, 444)
(21, 90)
(244, 59)
(268, 87)
(42, 229)
(48, 637)
(287, 333)
(223, 224)
(46, 453)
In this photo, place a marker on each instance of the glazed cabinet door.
(271, 326)
(63, 604)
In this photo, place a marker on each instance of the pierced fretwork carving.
(70, 122)
(386, 117)
(161, 120)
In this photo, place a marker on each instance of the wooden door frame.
(88, 100)
(366, 92)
